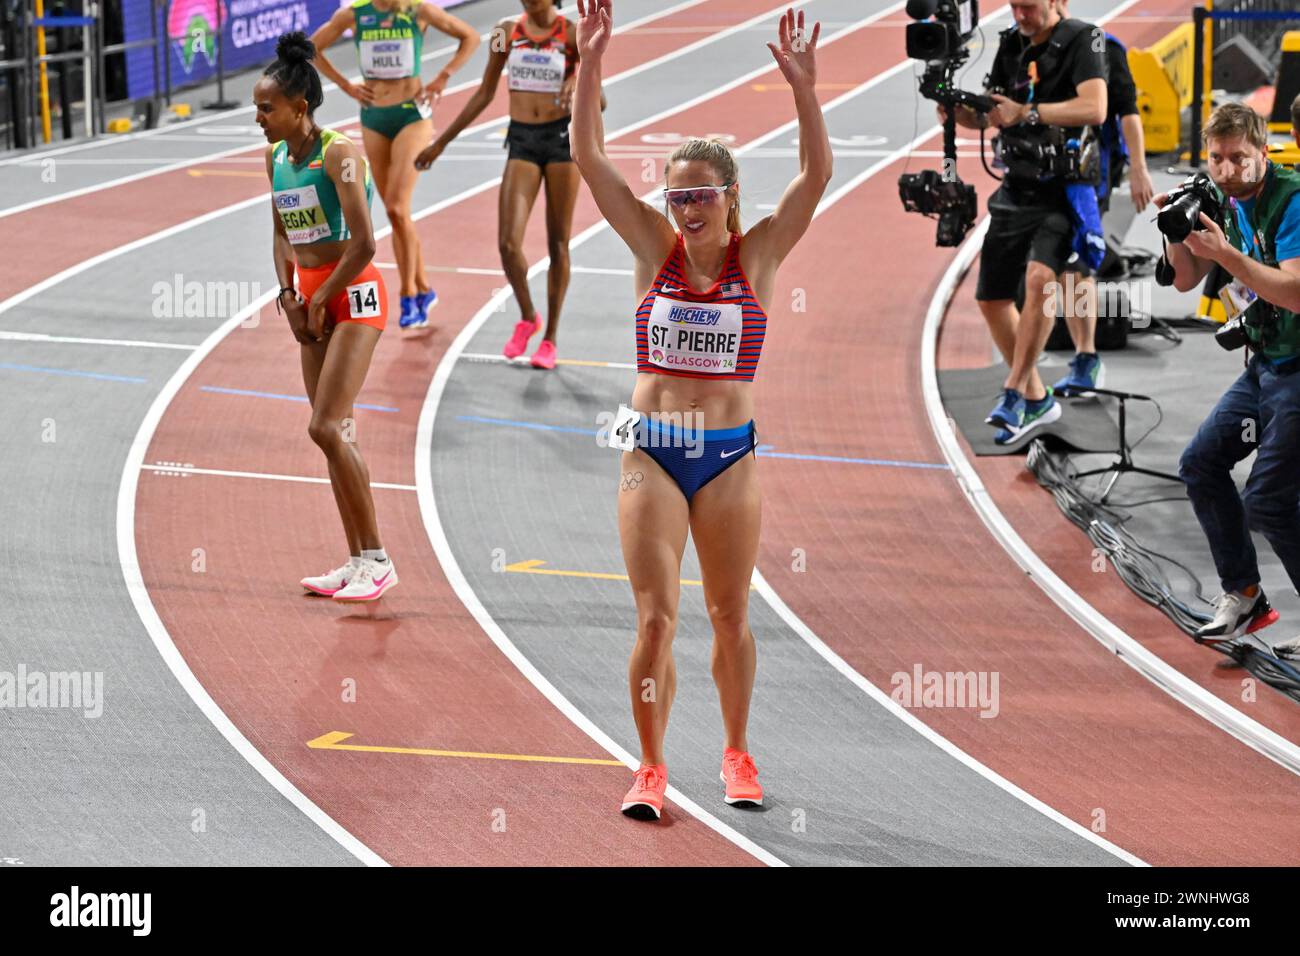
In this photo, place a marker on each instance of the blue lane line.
(764, 450)
(72, 372)
(284, 398)
(854, 461)
(534, 425)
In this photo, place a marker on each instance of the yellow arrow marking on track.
(535, 567)
(770, 87)
(333, 741)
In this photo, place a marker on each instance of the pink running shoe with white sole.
(369, 582)
(331, 582)
(741, 777)
(524, 331)
(645, 801)
(544, 357)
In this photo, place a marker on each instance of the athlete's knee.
(326, 432)
(656, 626)
(510, 248)
(730, 625)
(557, 247)
(399, 215)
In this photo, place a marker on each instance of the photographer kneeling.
(1048, 81)
(1261, 411)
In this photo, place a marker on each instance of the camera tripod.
(1124, 463)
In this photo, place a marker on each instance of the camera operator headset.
(1259, 247)
(1049, 85)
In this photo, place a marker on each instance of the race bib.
(302, 215)
(424, 108)
(388, 59)
(623, 435)
(694, 336)
(536, 71)
(363, 300)
(1236, 298)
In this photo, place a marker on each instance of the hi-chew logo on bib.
(536, 71)
(388, 59)
(302, 215)
(694, 336)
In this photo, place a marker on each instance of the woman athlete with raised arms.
(705, 287)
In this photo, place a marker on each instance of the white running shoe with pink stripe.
(330, 583)
(370, 580)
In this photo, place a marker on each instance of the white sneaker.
(1236, 614)
(330, 583)
(369, 581)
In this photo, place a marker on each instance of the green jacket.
(1280, 186)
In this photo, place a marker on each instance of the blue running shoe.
(1042, 412)
(410, 314)
(425, 301)
(1009, 413)
(1086, 373)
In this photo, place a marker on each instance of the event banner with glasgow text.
(249, 29)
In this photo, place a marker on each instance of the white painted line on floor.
(191, 470)
(523, 360)
(1154, 668)
(71, 340)
(41, 158)
(139, 593)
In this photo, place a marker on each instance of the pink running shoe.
(741, 777)
(519, 341)
(544, 357)
(645, 801)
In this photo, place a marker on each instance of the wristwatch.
(1032, 117)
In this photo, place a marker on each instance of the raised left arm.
(772, 238)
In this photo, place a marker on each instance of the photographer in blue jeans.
(1260, 412)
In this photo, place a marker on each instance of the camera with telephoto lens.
(940, 40)
(1182, 213)
(951, 200)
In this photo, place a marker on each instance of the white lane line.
(139, 592)
(71, 271)
(1154, 668)
(171, 655)
(523, 360)
(474, 271)
(38, 159)
(67, 339)
(437, 536)
(219, 473)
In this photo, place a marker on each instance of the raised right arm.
(647, 233)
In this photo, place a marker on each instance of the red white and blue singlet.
(717, 334)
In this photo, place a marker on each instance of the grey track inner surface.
(873, 790)
(124, 788)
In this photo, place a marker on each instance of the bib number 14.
(363, 300)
